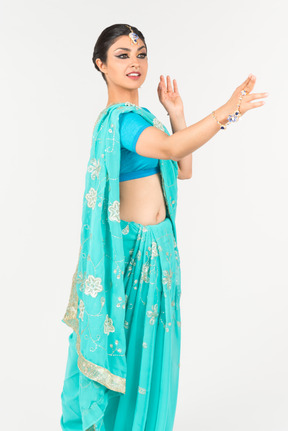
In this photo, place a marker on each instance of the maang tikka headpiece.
(133, 36)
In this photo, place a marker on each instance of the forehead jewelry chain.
(133, 36)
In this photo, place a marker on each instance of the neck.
(123, 95)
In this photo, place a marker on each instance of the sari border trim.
(89, 369)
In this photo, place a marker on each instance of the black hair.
(107, 38)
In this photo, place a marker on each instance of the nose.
(135, 62)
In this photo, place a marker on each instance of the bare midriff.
(142, 200)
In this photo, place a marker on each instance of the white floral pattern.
(153, 314)
(94, 168)
(158, 124)
(93, 286)
(167, 278)
(108, 326)
(145, 272)
(114, 211)
(125, 231)
(81, 309)
(141, 390)
(154, 250)
(91, 197)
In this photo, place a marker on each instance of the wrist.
(222, 113)
(176, 113)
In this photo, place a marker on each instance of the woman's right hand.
(246, 104)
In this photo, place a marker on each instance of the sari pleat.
(153, 340)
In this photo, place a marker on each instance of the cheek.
(145, 68)
(117, 70)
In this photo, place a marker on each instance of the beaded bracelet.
(232, 118)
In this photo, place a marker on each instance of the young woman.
(124, 308)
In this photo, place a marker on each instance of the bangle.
(222, 126)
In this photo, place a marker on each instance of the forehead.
(125, 42)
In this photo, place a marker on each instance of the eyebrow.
(128, 49)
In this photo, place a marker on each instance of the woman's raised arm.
(153, 142)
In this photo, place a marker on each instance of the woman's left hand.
(169, 98)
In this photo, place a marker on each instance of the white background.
(231, 216)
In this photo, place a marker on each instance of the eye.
(143, 54)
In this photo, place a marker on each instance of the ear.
(100, 64)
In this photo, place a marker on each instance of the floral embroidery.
(130, 267)
(80, 279)
(144, 273)
(91, 197)
(154, 249)
(167, 278)
(108, 326)
(158, 124)
(141, 390)
(153, 314)
(90, 369)
(122, 301)
(93, 286)
(115, 349)
(130, 104)
(114, 211)
(125, 231)
(94, 168)
(81, 309)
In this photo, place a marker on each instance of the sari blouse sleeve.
(131, 125)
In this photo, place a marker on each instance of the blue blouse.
(133, 165)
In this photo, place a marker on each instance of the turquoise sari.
(124, 308)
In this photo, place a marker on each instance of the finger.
(255, 105)
(248, 84)
(162, 83)
(253, 96)
(175, 86)
(159, 91)
(169, 85)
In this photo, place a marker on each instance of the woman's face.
(124, 57)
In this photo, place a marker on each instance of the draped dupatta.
(96, 308)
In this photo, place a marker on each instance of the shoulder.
(132, 119)
(133, 114)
